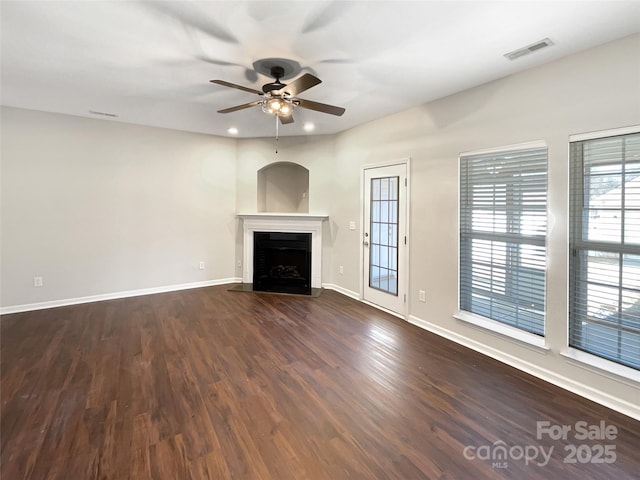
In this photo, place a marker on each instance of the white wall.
(98, 207)
(594, 90)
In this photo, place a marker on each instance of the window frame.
(578, 247)
(502, 328)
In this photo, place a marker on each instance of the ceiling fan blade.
(249, 74)
(319, 107)
(240, 107)
(239, 87)
(285, 120)
(187, 16)
(299, 85)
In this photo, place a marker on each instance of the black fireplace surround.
(282, 262)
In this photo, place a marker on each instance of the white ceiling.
(150, 63)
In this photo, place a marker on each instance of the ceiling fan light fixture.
(274, 104)
(277, 106)
(285, 109)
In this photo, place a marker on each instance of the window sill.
(506, 331)
(601, 365)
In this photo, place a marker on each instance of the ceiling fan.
(280, 99)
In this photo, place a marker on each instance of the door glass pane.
(383, 260)
(393, 188)
(375, 188)
(384, 256)
(375, 233)
(393, 259)
(393, 281)
(393, 235)
(384, 279)
(384, 211)
(375, 254)
(374, 280)
(393, 216)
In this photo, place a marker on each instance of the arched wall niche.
(283, 187)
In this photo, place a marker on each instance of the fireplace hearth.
(282, 262)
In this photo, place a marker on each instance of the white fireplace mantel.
(283, 222)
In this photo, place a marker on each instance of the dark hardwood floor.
(212, 384)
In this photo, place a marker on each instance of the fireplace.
(282, 262)
(281, 223)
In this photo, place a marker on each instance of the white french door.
(385, 237)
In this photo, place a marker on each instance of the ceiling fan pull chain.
(276, 116)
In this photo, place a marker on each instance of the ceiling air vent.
(104, 114)
(545, 42)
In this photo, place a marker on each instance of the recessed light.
(233, 130)
(309, 127)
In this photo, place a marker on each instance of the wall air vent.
(545, 42)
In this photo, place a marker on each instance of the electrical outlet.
(422, 296)
(37, 281)
(201, 265)
(239, 264)
(341, 270)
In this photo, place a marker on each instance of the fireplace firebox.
(282, 262)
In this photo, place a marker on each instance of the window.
(604, 265)
(383, 253)
(503, 226)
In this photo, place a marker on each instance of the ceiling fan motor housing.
(276, 72)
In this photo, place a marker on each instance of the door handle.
(365, 243)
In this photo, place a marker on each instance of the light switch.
(352, 225)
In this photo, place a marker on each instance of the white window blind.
(503, 226)
(604, 265)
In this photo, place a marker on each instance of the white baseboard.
(385, 310)
(598, 396)
(342, 290)
(115, 295)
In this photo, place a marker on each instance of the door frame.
(403, 267)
